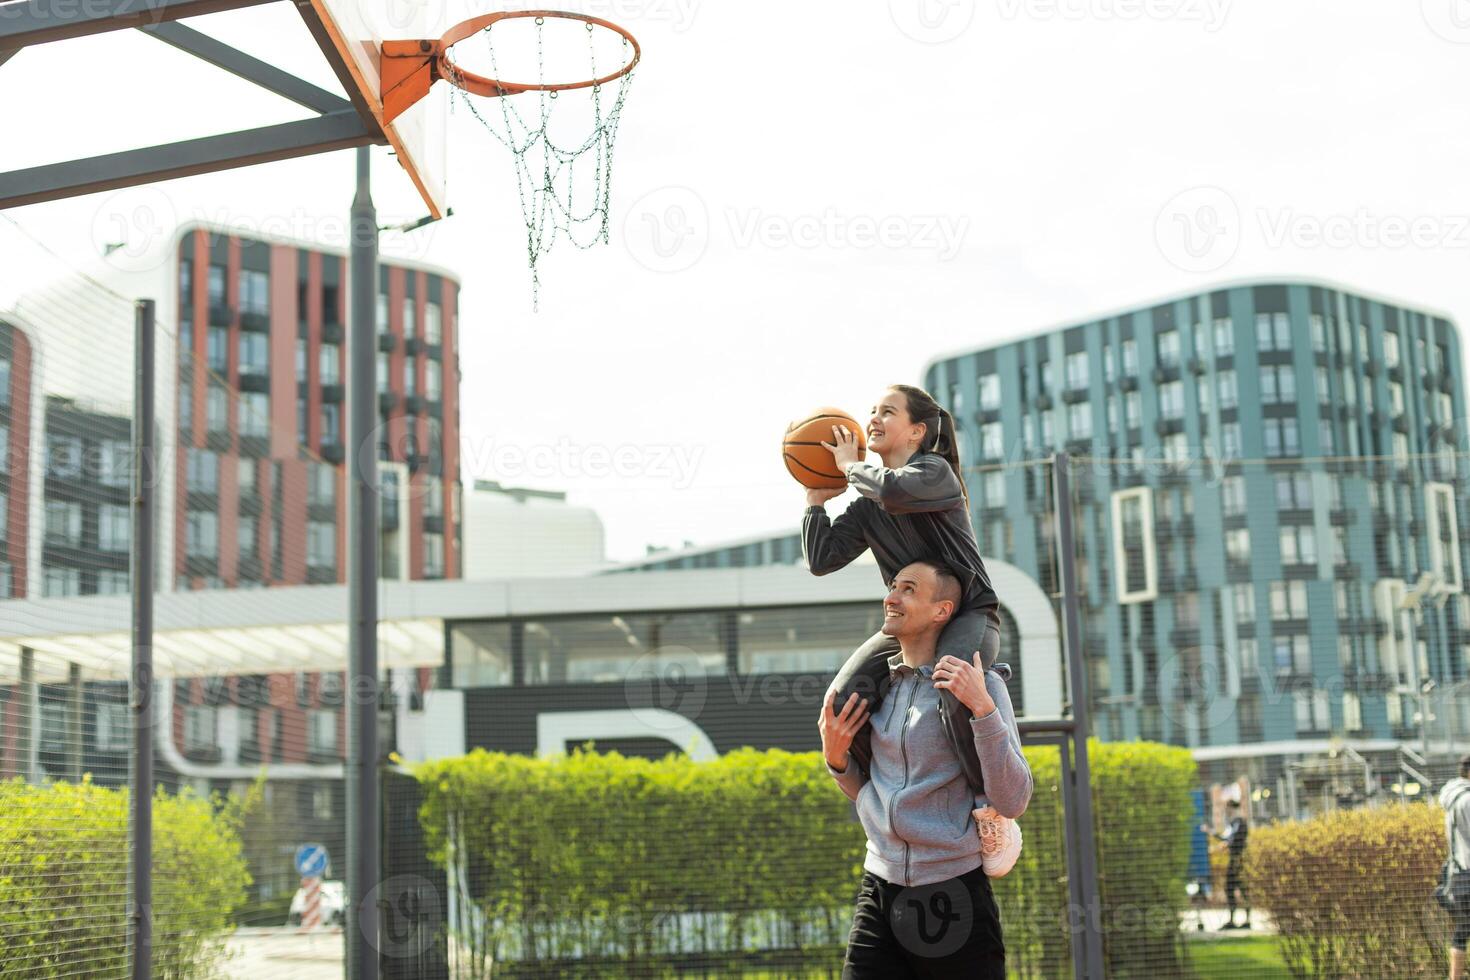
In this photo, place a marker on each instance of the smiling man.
(925, 908)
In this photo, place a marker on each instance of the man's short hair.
(946, 582)
(1465, 766)
(1233, 804)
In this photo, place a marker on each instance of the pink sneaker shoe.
(1000, 841)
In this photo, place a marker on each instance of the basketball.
(805, 457)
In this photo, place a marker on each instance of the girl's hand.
(816, 498)
(837, 730)
(844, 447)
(966, 682)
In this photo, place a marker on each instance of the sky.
(811, 201)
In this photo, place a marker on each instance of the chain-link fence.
(616, 774)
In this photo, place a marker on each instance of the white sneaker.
(1000, 841)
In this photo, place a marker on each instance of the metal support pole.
(364, 866)
(75, 691)
(140, 680)
(1086, 867)
(26, 711)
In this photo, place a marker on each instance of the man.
(1235, 835)
(1455, 798)
(925, 908)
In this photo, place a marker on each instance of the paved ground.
(1213, 919)
(286, 954)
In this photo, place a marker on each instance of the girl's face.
(890, 427)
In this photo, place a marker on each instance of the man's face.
(912, 606)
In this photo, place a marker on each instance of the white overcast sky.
(1029, 163)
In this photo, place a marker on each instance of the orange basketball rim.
(411, 67)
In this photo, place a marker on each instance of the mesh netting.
(563, 148)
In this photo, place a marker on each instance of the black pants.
(1235, 883)
(947, 929)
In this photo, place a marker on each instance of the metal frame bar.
(252, 69)
(140, 681)
(43, 21)
(283, 141)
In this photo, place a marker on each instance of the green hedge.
(1350, 891)
(63, 881)
(598, 862)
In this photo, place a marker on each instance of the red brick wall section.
(284, 318)
(450, 436)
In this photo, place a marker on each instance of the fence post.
(140, 678)
(1086, 868)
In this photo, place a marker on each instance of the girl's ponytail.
(941, 436)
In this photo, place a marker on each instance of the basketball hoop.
(553, 201)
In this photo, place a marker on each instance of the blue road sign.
(311, 860)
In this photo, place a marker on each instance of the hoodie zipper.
(903, 729)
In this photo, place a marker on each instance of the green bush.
(595, 862)
(63, 881)
(1350, 891)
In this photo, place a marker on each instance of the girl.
(912, 507)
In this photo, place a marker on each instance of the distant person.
(912, 504)
(925, 908)
(1455, 798)
(1235, 835)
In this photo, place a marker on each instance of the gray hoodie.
(915, 804)
(1457, 832)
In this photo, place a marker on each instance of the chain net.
(563, 147)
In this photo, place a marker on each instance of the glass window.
(1232, 495)
(1243, 602)
(382, 313)
(1396, 397)
(64, 522)
(1130, 357)
(1076, 368)
(216, 285)
(1224, 336)
(481, 654)
(433, 555)
(1319, 332)
(63, 456)
(1169, 348)
(201, 533)
(321, 483)
(331, 423)
(321, 544)
(1229, 394)
(114, 527)
(1133, 542)
(993, 487)
(321, 731)
(649, 647)
(255, 291)
(989, 392)
(216, 409)
(1133, 409)
(247, 538)
(383, 382)
(1298, 545)
(112, 581)
(410, 379)
(1238, 544)
(202, 470)
(432, 380)
(115, 462)
(991, 441)
(1294, 491)
(255, 413)
(1110, 365)
(1079, 420)
(1390, 349)
(57, 581)
(433, 323)
(1171, 400)
(329, 365)
(802, 639)
(1230, 440)
(410, 319)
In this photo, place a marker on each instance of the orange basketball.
(805, 457)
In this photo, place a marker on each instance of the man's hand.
(966, 682)
(844, 447)
(816, 498)
(838, 729)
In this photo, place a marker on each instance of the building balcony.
(256, 446)
(206, 565)
(435, 406)
(333, 394)
(1165, 373)
(387, 342)
(1299, 570)
(1197, 365)
(1043, 401)
(417, 460)
(320, 575)
(1074, 395)
(1370, 367)
(221, 315)
(433, 523)
(987, 415)
(414, 404)
(413, 345)
(1341, 516)
(322, 755)
(203, 753)
(321, 510)
(1128, 382)
(333, 333)
(333, 452)
(1185, 526)
(1401, 423)
(219, 440)
(387, 401)
(1166, 427)
(255, 321)
(253, 380)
